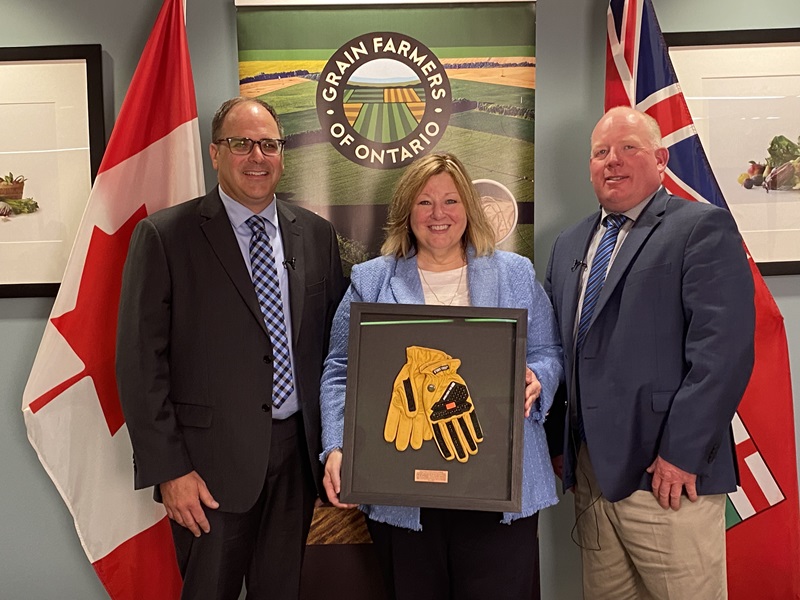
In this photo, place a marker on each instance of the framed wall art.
(52, 141)
(743, 91)
(459, 371)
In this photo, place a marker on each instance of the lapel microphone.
(289, 263)
(575, 265)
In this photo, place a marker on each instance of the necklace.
(435, 295)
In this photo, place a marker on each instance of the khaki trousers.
(634, 549)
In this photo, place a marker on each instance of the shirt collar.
(238, 213)
(631, 213)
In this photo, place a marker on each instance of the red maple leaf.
(91, 327)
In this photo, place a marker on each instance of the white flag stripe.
(679, 135)
(684, 186)
(659, 96)
(96, 492)
(764, 478)
(739, 432)
(742, 503)
(161, 175)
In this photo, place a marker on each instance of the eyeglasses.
(243, 145)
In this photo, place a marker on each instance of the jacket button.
(267, 359)
(265, 408)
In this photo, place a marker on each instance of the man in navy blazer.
(237, 471)
(654, 382)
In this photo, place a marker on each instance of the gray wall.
(40, 556)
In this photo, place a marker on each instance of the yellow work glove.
(449, 409)
(406, 422)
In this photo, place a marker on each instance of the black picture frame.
(490, 343)
(738, 39)
(91, 56)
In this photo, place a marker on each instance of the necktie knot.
(256, 225)
(615, 221)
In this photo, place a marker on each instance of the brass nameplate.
(430, 476)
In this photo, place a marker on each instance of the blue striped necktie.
(597, 275)
(268, 290)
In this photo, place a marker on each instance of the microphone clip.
(289, 262)
(578, 263)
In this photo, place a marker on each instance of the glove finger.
(403, 434)
(450, 445)
(392, 421)
(466, 434)
(418, 431)
(442, 441)
(427, 432)
(476, 425)
(470, 424)
(458, 443)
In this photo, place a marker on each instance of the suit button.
(267, 359)
(265, 408)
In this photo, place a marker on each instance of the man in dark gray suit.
(654, 300)
(224, 322)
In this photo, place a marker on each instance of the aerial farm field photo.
(361, 98)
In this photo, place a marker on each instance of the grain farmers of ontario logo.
(384, 100)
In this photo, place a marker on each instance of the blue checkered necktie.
(268, 290)
(597, 275)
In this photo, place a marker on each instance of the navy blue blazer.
(669, 351)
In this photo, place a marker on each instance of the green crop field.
(385, 123)
(513, 127)
(304, 120)
(489, 92)
(363, 95)
(301, 96)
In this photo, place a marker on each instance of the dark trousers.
(459, 555)
(264, 546)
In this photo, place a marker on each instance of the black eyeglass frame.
(253, 143)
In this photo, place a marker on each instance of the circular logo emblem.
(500, 207)
(383, 100)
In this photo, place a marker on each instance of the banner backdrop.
(362, 95)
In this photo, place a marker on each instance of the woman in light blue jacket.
(439, 249)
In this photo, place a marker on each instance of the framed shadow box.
(490, 345)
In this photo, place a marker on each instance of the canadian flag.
(70, 404)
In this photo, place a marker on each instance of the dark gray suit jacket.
(669, 351)
(194, 359)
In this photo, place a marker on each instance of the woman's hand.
(533, 390)
(332, 481)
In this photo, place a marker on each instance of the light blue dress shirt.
(238, 214)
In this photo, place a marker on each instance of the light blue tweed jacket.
(504, 280)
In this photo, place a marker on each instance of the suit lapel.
(648, 220)
(405, 282)
(484, 288)
(572, 282)
(291, 233)
(218, 231)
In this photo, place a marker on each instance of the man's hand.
(668, 483)
(558, 465)
(332, 481)
(533, 389)
(182, 498)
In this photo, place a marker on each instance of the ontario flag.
(763, 515)
(70, 404)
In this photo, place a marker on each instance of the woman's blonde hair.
(400, 240)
